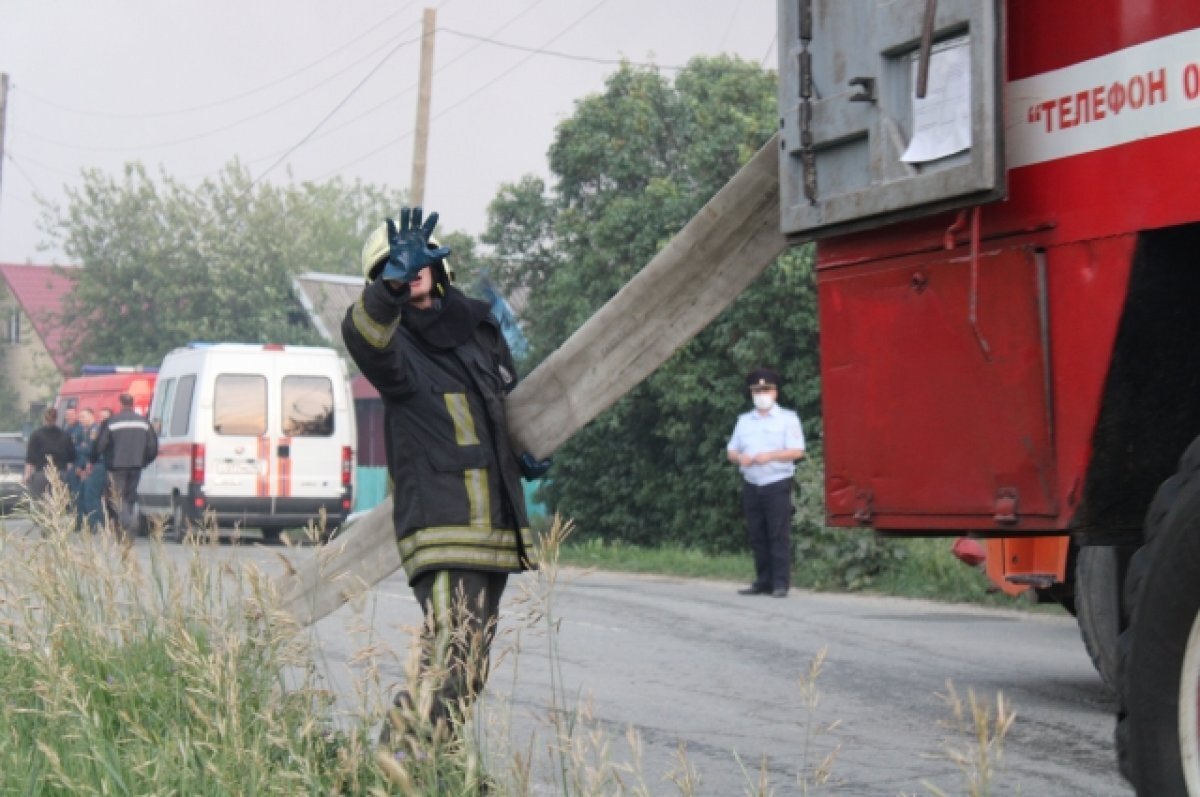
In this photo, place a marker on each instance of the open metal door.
(859, 148)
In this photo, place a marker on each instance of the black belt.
(773, 487)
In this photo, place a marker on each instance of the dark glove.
(534, 469)
(409, 250)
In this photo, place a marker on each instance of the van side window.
(307, 406)
(162, 401)
(181, 412)
(240, 405)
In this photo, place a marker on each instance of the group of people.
(99, 457)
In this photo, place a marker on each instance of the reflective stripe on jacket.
(126, 440)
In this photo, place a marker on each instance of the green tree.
(165, 263)
(632, 166)
(520, 232)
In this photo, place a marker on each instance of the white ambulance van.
(253, 435)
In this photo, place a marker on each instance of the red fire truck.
(1009, 274)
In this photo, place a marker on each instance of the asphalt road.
(691, 663)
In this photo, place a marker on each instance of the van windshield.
(240, 404)
(307, 406)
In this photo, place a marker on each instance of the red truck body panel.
(102, 391)
(962, 386)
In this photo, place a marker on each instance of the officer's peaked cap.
(762, 377)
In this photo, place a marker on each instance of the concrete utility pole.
(424, 92)
(3, 113)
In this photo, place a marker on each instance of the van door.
(151, 484)
(238, 453)
(309, 449)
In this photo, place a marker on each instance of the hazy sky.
(190, 84)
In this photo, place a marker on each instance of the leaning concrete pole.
(697, 275)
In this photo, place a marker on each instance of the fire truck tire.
(1098, 606)
(1163, 599)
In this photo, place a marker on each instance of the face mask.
(763, 401)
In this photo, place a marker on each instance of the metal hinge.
(1006, 505)
(864, 508)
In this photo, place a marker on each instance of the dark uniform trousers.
(121, 500)
(768, 511)
(461, 610)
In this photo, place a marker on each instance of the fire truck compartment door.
(932, 421)
(859, 149)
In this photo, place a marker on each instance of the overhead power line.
(21, 169)
(763, 61)
(235, 97)
(556, 53)
(578, 20)
(305, 92)
(729, 25)
(375, 108)
(335, 108)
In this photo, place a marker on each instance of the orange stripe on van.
(264, 466)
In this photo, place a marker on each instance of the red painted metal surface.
(1015, 564)
(935, 423)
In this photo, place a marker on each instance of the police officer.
(766, 443)
(127, 443)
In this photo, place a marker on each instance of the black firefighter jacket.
(126, 440)
(458, 499)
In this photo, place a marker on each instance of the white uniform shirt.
(756, 433)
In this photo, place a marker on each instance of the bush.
(126, 678)
(832, 558)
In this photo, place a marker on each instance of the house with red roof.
(35, 346)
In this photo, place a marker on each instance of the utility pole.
(424, 92)
(3, 113)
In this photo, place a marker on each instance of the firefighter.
(127, 443)
(766, 443)
(442, 367)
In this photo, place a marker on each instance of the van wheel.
(1157, 732)
(178, 523)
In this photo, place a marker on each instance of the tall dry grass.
(135, 669)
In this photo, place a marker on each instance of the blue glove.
(408, 246)
(534, 469)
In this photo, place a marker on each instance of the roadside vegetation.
(824, 558)
(127, 676)
(915, 568)
(128, 670)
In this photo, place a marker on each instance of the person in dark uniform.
(766, 443)
(48, 445)
(127, 443)
(441, 364)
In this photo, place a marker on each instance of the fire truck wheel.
(1098, 570)
(1163, 601)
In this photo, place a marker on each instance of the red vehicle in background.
(98, 386)
(1004, 198)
